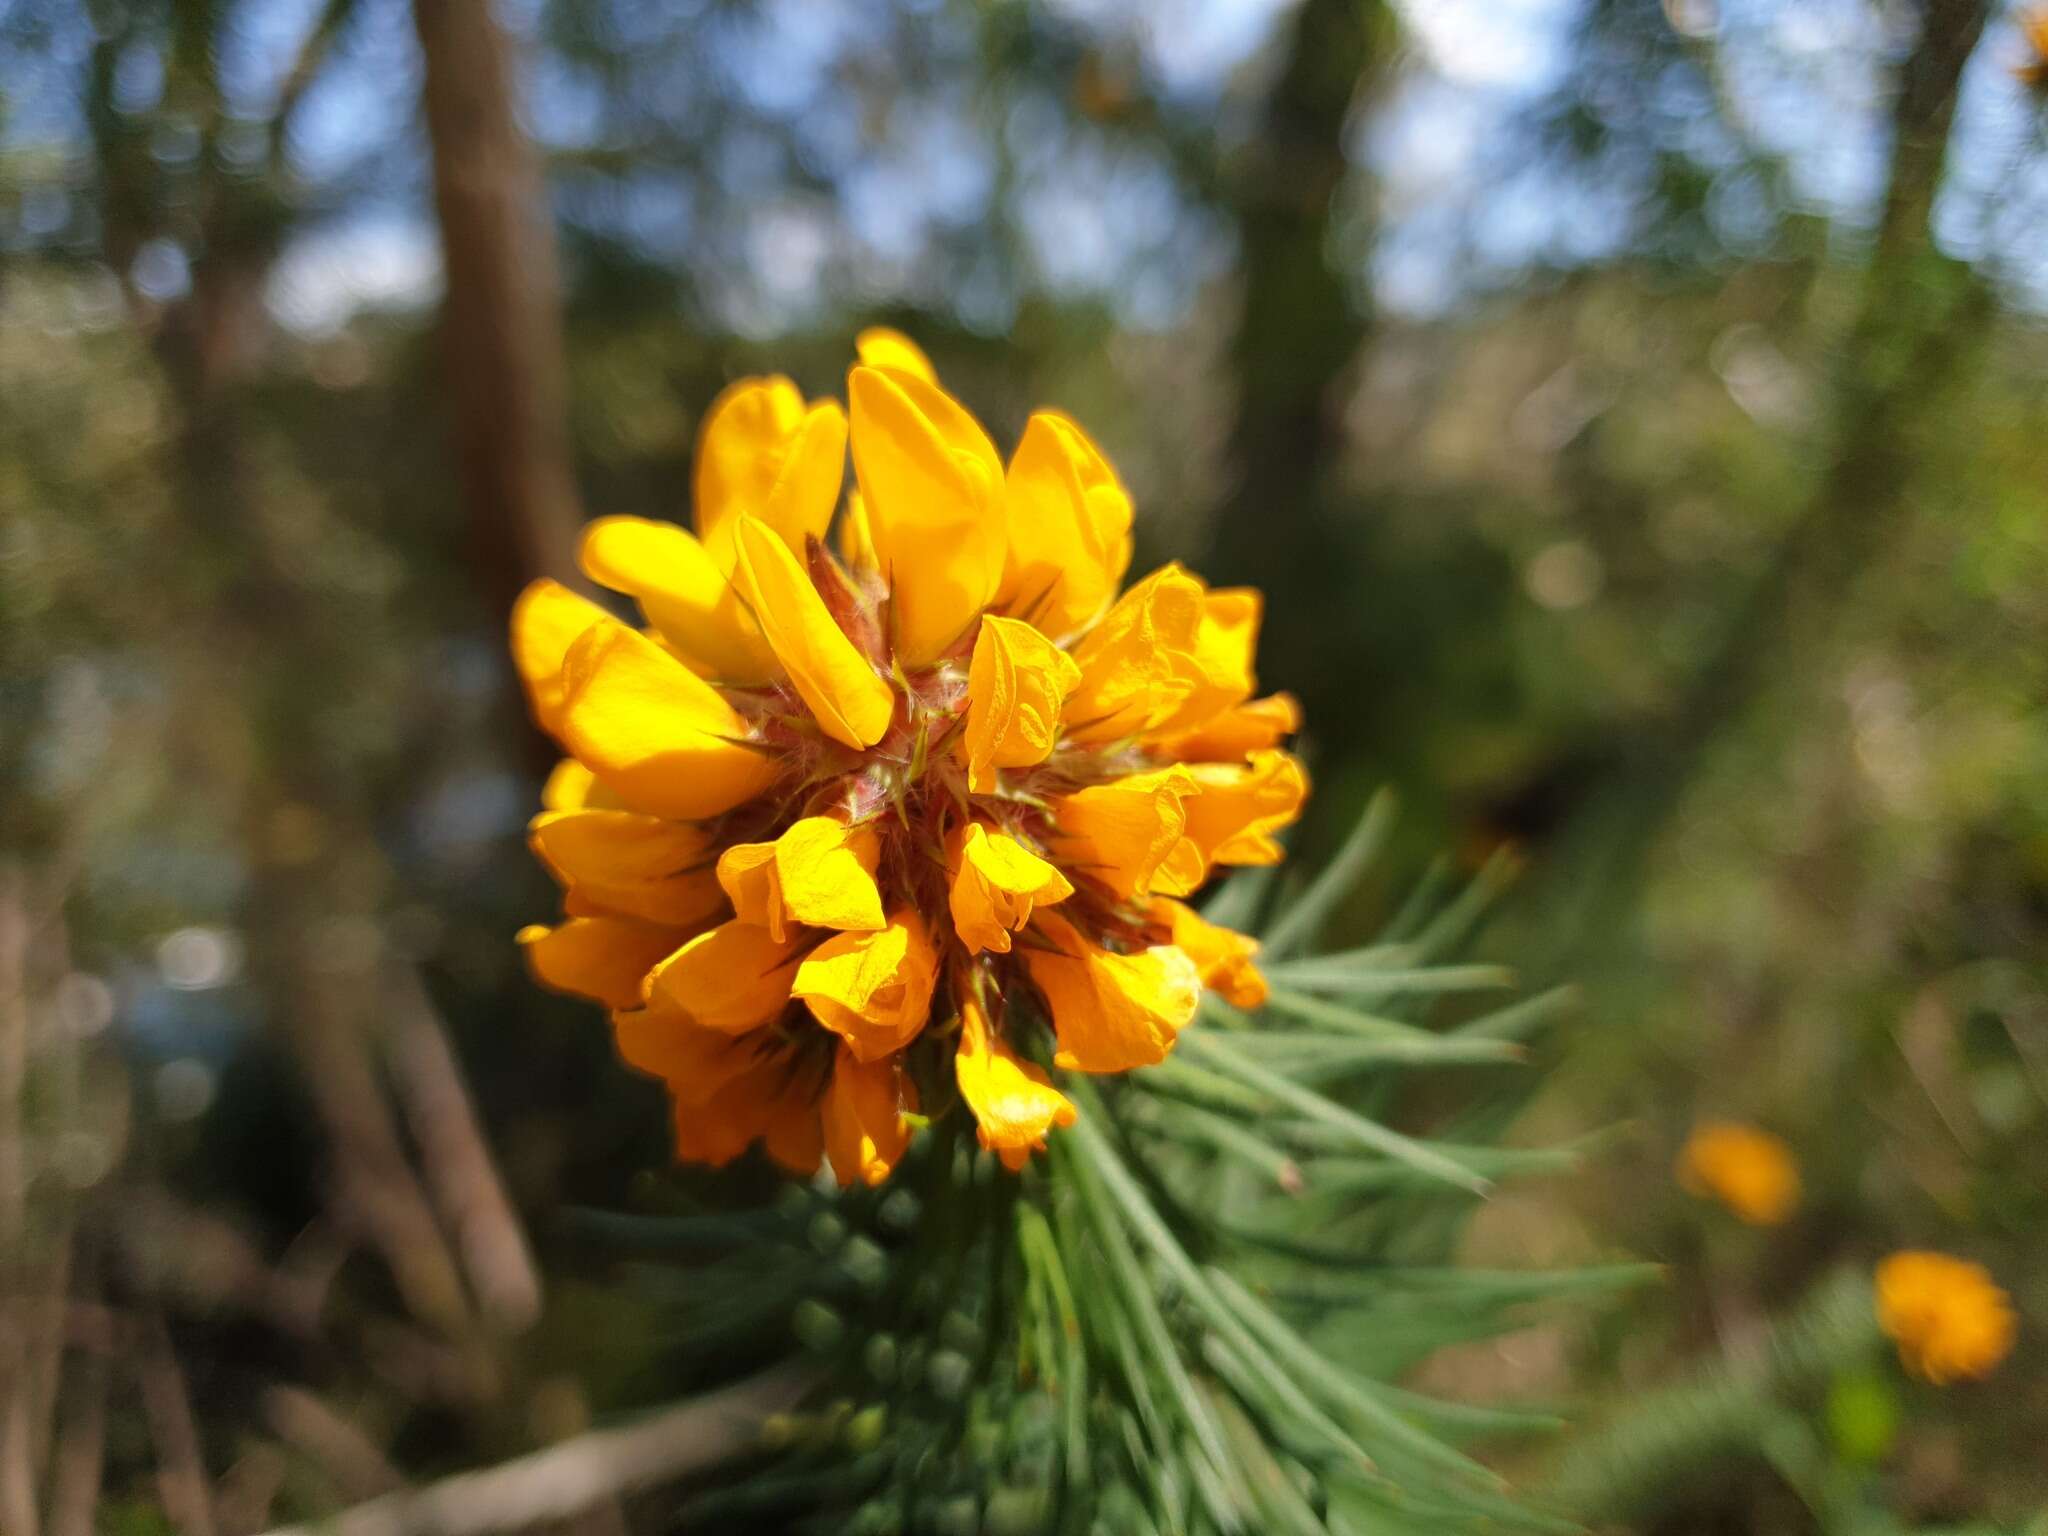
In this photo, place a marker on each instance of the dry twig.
(580, 1472)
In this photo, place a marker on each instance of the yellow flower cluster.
(1747, 1169)
(1948, 1317)
(834, 829)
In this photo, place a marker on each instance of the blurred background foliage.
(1635, 414)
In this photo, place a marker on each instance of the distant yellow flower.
(1947, 1316)
(834, 825)
(2032, 69)
(1748, 1170)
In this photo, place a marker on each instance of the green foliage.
(1701, 1426)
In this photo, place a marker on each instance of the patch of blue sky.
(386, 261)
(1105, 218)
(780, 54)
(1807, 82)
(1993, 206)
(365, 104)
(1191, 48)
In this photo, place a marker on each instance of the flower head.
(840, 834)
(1747, 1169)
(1947, 1316)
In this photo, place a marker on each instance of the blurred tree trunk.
(316, 871)
(1302, 320)
(1919, 318)
(501, 321)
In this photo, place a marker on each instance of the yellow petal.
(1069, 527)
(734, 978)
(570, 786)
(729, 1091)
(1745, 1167)
(697, 1063)
(630, 864)
(932, 486)
(1128, 832)
(856, 539)
(792, 1137)
(862, 1119)
(1949, 1318)
(851, 702)
(819, 872)
(1013, 1102)
(719, 1129)
(653, 732)
(1111, 1012)
(1220, 670)
(606, 958)
(1234, 812)
(1016, 686)
(762, 1104)
(996, 883)
(1236, 733)
(763, 453)
(873, 990)
(546, 620)
(1222, 956)
(880, 347)
(684, 593)
(1137, 665)
(747, 874)
(739, 442)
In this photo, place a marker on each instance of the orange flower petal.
(1222, 956)
(880, 347)
(1236, 733)
(630, 864)
(819, 872)
(652, 731)
(873, 990)
(1012, 1100)
(1138, 665)
(850, 701)
(734, 978)
(1016, 686)
(683, 590)
(1233, 814)
(1069, 527)
(996, 884)
(546, 620)
(1111, 1012)
(606, 958)
(1129, 832)
(862, 1119)
(764, 453)
(1948, 1318)
(931, 482)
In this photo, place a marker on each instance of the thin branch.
(14, 935)
(183, 1488)
(460, 1174)
(310, 1424)
(377, 1187)
(312, 56)
(17, 1454)
(568, 1478)
(43, 1357)
(80, 1454)
(249, 1489)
